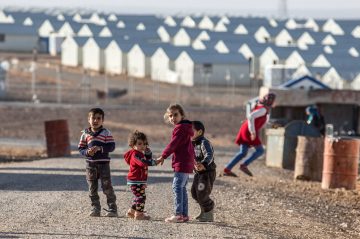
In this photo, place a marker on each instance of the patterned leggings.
(139, 200)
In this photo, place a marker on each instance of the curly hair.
(135, 136)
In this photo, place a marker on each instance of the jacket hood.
(128, 154)
(186, 125)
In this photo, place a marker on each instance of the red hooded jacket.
(138, 171)
(181, 148)
(243, 136)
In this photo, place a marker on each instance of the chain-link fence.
(51, 83)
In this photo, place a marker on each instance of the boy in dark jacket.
(95, 144)
(139, 157)
(205, 173)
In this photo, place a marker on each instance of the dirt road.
(48, 199)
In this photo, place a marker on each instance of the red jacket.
(181, 148)
(243, 136)
(138, 171)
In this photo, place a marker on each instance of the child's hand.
(199, 167)
(90, 152)
(160, 160)
(252, 136)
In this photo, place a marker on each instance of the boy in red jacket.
(139, 158)
(248, 135)
(182, 151)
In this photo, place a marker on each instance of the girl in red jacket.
(139, 157)
(182, 151)
(248, 135)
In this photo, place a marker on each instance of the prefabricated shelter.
(139, 59)
(116, 54)
(72, 51)
(197, 68)
(162, 63)
(94, 53)
(18, 38)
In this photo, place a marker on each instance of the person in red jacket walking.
(182, 151)
(139, 157)
(248, 135)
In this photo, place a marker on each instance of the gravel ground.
(48, 199)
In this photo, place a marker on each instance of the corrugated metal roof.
(17, 29)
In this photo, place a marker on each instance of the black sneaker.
(111, 213)
(95, 212)
(228, 173)
(245, 169)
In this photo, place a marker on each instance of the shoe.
(207, 217)
(95, 212)
(245, 169)
(227, 172)
(141, 216)
(130, 213)
(175, 219)
(185, 218)
(111, 213)
(199, 215)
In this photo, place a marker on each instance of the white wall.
(93, 56)
(185, 69)
(113, 59)
(238, 72)
(136, 62)
(19, 43)
(159, 66)
(71, 54)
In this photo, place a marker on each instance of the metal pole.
(131, 89)
(227, 79)
(156, 88)
(106, 88)
(33, 81)
(207, 75)
(58, 84)
(202, 95)
(178, 88)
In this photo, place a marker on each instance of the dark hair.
(198, 125)
(99, 111)
(174, 107)
(135, 136)
(268, 99)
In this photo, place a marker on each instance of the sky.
(296, 8)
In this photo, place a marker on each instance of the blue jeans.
(259, 150)
(180, 193)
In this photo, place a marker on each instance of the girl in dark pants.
(139, 157)
(205, 173)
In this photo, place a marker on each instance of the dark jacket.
(139, 163)
(181, 147)
(204, 153)
(102, 138)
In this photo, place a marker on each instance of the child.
(248, 135)
(182, 152)
(95, 144)
(204, 173)
(139, 158)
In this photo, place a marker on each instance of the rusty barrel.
(57, 138)
(309, 158)
(340, 170)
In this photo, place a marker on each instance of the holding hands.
(160, 160)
